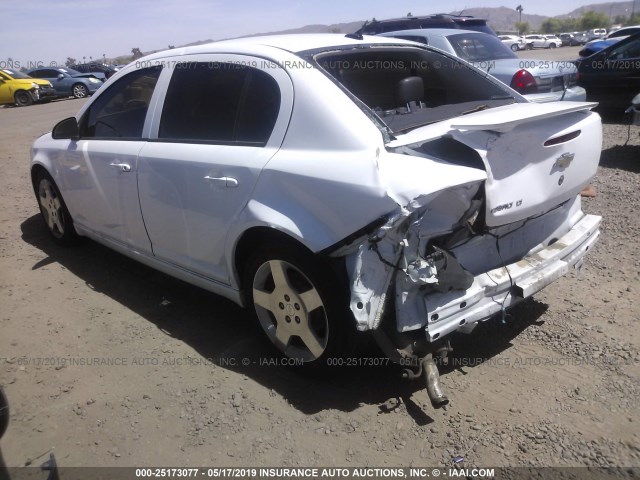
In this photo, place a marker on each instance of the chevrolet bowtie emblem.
(564, 160)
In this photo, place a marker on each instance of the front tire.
(300, 305)
(54, 211)
(79, 90)
(514, 47)
(22, 98)
(553, 45)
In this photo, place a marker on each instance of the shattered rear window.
(411, 87)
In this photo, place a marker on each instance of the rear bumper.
(493, 290)
(573, 94)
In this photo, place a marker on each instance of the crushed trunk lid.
(536, 156)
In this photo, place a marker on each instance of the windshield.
(15, 74)
(411, 87)
(69, 71)
(475, 47)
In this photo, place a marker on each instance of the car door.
(99, 169)
(222, 119)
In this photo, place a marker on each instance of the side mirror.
(60, 76)
(66, 129)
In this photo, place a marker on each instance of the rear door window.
(217, 102)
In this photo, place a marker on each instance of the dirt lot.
(105, 360)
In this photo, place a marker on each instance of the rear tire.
(22, 98)
(300, 303)
(54, 211)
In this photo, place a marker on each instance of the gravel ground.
(105, 360)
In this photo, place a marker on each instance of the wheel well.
(35, 170)
(259, 237)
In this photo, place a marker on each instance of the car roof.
(617, 42)
(293, 43)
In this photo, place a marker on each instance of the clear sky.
(52, 30)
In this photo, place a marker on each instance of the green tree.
(551, 25)
(70, 61)
(568, 25)
(620, 19)
(592, 19)
(523, 27)
(334, 30)
(633, 20)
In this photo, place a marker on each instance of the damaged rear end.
(499, 220)
(487, 187)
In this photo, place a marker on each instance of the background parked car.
(570, 40)
(625, 31)
(514, 42)
(68, 82)
(426, 21)
(538, 81)
(554, 41)
(22, 90)
(596, 33)
(597, 45)
(542, 41)
(99, 70)
(612, 76)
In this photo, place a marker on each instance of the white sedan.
(331, 184)
(514, 42)
(542, 41)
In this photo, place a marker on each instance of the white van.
(596, 33)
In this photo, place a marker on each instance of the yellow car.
(22, 90)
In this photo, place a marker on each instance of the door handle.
(125, 167)
(228, 182)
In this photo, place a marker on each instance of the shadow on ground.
(623, 157)
(220, 330)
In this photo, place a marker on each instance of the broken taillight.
(524, 83)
